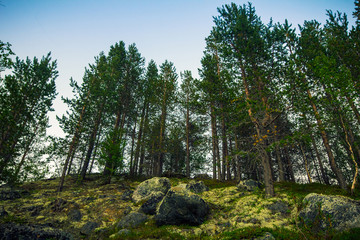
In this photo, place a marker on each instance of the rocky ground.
(175, 208)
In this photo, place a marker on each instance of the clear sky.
(77, 30)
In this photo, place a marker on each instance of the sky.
(75, 31)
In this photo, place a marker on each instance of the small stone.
(74, 215)
(3, 213)
(124, 232)
(132, 220)
(88, 228)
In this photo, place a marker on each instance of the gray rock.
(249, 185)
(266, 236)
(146, 188)
(180, 206)
(322, 212)
(126, 196)
(89, 227)
(11, 193)
(150, 205)
(197, 186)
(3, 213)
(10, 231)
(279, 207)
(132, 220)
(202, 176)
(124, 232)
(74, 215)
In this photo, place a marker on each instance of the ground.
(234, 214)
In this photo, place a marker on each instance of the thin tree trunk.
(306, 164)
(92, 142)
(213, 137)
(335, 169)
(187, 139)
(132, 162)
(323, 174)
(72, 146)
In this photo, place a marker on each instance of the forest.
(274, 102)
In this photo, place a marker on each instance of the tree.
(26, 97)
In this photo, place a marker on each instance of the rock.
(279, 207)
(126, 196)
(124, 232)
(266, 236)
(34, 210)
(322, 212)
(197, 186)
(149, 186)
(74, 215)
(181, 206)
(203, 176)
(170, 174)
(150, 205)
(59, 204)
(249, 185)
(10, 193)
(10, 231)
(88, 228)
(132, 220)
(3, 213)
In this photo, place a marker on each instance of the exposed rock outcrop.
(181, 206)
(322, 212)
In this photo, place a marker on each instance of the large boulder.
(150, 205)
(249, 185)
(321, 212)
(181, 206)
(146, 188)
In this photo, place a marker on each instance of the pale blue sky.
(77, 30)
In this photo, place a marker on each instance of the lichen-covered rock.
(126, 196)
(146, 188)
(249, 185)
(10, 231)
(279, 207)
(89, 227)
(11, 193)
(202, 176)
(3, 213)
(197, 186)
(181, 206)
(74, 215)
(322, 212)
(266, 236)
(132, 220)
(150, 205)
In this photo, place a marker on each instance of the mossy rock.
(146, 188)
(321, 212)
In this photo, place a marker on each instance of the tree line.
(272, 103)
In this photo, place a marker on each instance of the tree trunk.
(323, 174)
(187, 139)
(92, 142)
(306, 164)
(335, 169)
(213, 138)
